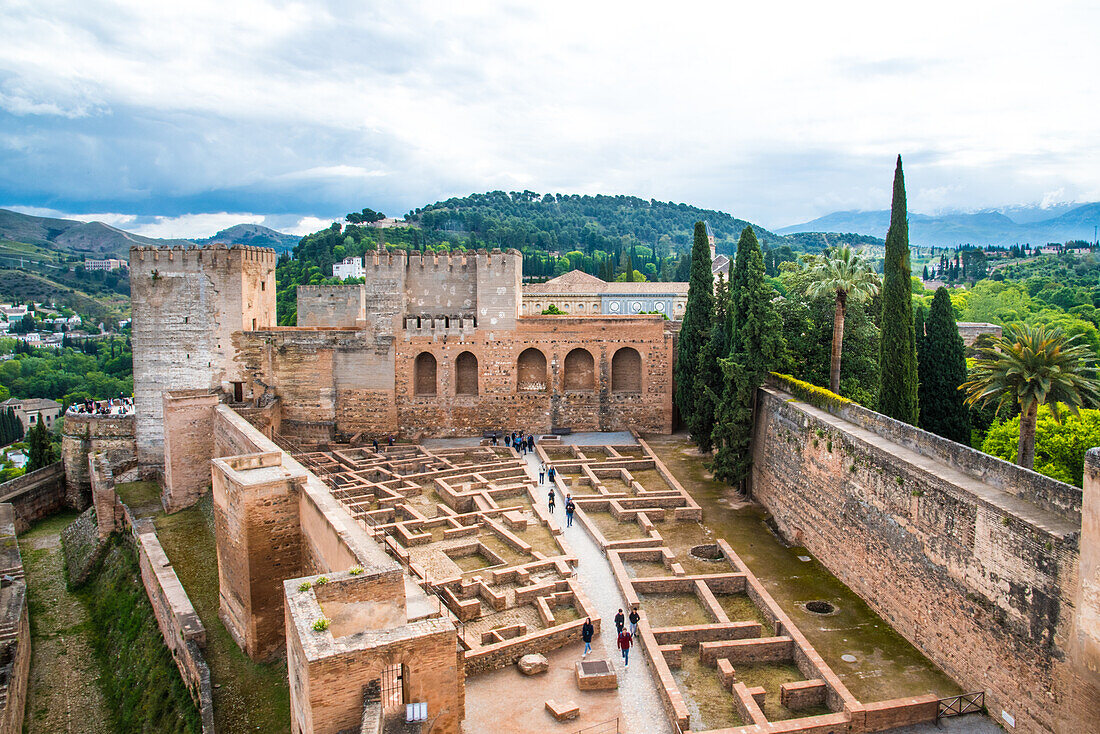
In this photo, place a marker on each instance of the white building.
(108, 264)
(351, 267)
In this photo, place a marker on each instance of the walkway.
(643, 712)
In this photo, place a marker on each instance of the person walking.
(531, 444)
(625, 640)
(620, 621)
(550, 474)
(550, 500)
(570, 507)
(542, 473)
(375, 442)
(587, 630)
(634, 617)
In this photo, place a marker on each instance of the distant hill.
(255, 235)
(979, 228)
(816, 241)
(69, 236)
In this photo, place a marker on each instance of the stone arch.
(466, 374)
(580, 370)
(626, 371)
(424, 374)
(531, 371)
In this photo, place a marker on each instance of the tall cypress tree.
(756, 341)
(40, 449)
(942, 369)
(709, 382)
(698, 320)
(898, 349)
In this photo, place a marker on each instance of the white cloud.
(306, 225)
(190, 226)
(344, 105)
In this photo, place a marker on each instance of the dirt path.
(63, 692)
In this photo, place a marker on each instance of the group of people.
(121, 405)
(624, 638)
(523, 443)
(389, 442)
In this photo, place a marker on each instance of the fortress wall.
(83, 435)
(35, 495)
(187, 304)
(984, 586)
(442, 284)
(331, 305)
(15, 639)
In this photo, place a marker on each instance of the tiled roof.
(576, 282)
(32, 404)
(720, 264)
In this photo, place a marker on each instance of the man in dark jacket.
(634, 617)
(587, 630)
(620, 621)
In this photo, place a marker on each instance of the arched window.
(531, 371)
(466, 374)
(424, 374)
(580, 370)
(626, 371)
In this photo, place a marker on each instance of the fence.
(967, 703)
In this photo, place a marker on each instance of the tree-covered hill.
(562, 222)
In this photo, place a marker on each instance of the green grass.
(139, 677)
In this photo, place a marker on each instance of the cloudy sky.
(179, 118)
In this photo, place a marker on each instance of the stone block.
(596, 675)
(563, 711)
(533, 664)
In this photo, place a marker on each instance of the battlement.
(200, 255)
(450, 260)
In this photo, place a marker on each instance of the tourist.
(634, 617)
(570, 507)
(391, 440)
(550, 474)
(625, 639)
(587, 630)
(531, 444)
(550, 500)
(375, 442)
(542, 473)
(620, 621)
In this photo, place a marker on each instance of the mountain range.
(1007, 226)
(69, 236)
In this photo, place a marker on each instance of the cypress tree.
(756, 340)
(40, 448)
(942, 369)
(698, 319)
(898, 351)
(709, 382)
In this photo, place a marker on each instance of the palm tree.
(845, 275)
(1032, 366)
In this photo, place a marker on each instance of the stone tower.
(187, 303)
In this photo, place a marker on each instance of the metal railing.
(611, 726)
(967, 703)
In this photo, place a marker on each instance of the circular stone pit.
(709, 552)
(822, 608)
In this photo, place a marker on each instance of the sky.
(178, 119)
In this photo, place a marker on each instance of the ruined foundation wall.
(15, 631)
(34, 496)
(981, 585)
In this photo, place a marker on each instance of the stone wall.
(189, 421)
(363, 382)
(15, 631)
(35, 495)
(187, 304)
(84, 435)
(341, 306)
(972, 559)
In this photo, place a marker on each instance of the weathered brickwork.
(84, 435)
(189, 420)
(187, 304)
(34, 496)
(978, 570)
(15, 631)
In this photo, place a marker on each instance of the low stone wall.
(35, 495)
(180, 626)
(972, 559)
(501, 654)
(83, 435)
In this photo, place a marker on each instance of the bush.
(320, 625)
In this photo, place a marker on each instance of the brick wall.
(15, 632)
(35, 495)
(978, 580)
(83, 435)
(189, 442)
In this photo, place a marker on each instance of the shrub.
(320, 625)
(305, 586)
(355, 570)
(322, 580)
(812, 394)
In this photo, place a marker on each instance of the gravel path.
(63, 694)
(643, 712)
